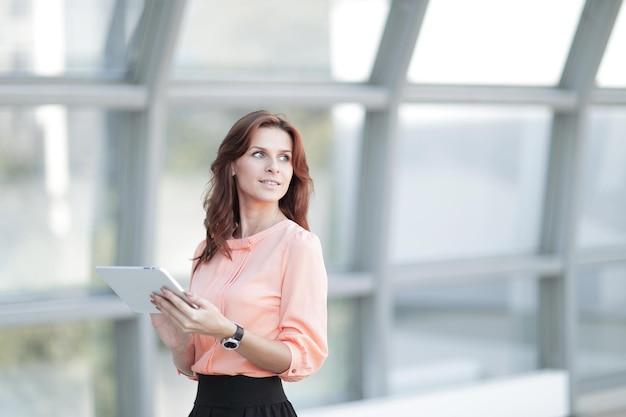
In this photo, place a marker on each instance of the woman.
(258, 280)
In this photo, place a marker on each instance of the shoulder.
(296, 234)
(199, 248)
(196, 254)
(298, 241)
(303, 258)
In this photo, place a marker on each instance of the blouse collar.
(250, 241)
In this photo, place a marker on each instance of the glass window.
(309, 39)
(460, 334)
(339, 378)
(337, 381)
(354, 42)
(54, 219)
(331, 139)
(468, 181)
(612, 71)
(67, 37)
(59, 370)
(603, 189)
(494, 42)
(601, 299)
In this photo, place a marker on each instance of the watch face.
(230, 344)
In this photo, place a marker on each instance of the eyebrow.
(263, 149)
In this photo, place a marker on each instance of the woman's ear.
(232, 169)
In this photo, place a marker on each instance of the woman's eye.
(258, 154)
(284, 158)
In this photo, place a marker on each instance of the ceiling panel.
(612, 71)
(494, 42)
(272, 39)
(75, 38)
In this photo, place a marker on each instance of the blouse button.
(293, 371)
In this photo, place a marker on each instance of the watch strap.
(232, 342)
(238, 333)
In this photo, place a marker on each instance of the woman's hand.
(178, 320)
(170, 334)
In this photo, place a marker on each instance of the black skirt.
(241, 396)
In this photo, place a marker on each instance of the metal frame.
(143, 143)
(557, 299)
(375, 190)
(146, 93)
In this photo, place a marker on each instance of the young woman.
(258, 280)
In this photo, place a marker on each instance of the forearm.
(271, 355)
(184, 358)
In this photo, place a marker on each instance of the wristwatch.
(232, 343)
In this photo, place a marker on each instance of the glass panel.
(301, 40)
(339, 379)
(612, 71)
(469, 181)
(601, 294)
(52, 211)
(460, 334)
(336, 382)
(60, 370)
(492, 42)
(354, 42)
(331, 139)
(67, 37)
(603, 202)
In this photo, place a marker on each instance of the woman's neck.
(253, 223)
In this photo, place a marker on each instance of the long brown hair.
(221, 203)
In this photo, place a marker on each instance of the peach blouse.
(276, 287)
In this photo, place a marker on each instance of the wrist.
(228, 329)
(232, 342)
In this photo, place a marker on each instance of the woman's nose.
(272, 165)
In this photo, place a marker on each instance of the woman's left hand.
(204, 319)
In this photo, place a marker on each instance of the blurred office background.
(469, 159)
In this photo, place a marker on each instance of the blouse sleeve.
(303, 310)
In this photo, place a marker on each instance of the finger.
(174, 298)
(166, 307)
(195, 300)
(156, 300)
(177, 309)
(173, 315)
(163, 305)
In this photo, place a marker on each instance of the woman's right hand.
(172, 336)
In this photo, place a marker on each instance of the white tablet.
(134, 284)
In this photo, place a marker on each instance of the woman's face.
(264, 171)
